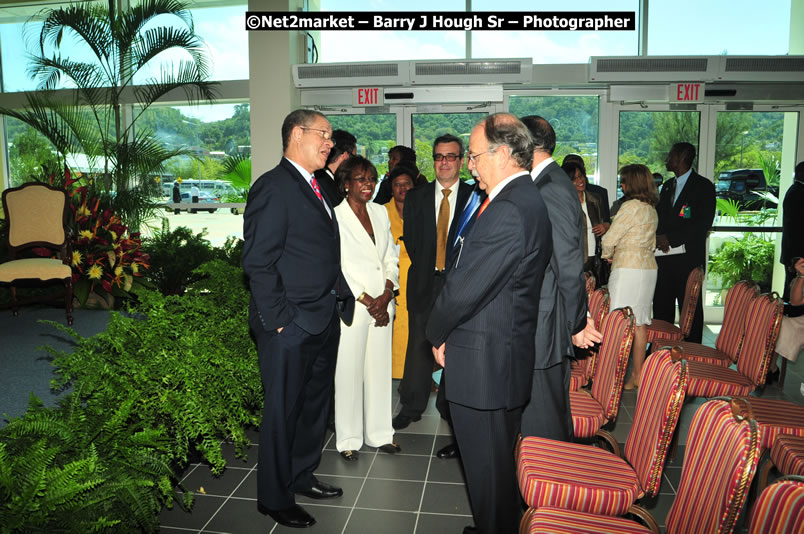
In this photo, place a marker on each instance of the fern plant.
(747, 258)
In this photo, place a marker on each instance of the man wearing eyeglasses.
(291, 257)
(429, 212)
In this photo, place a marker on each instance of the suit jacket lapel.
(308, 192)
(551, 167)
(350, 221)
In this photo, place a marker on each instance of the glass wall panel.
(575, 120)
(549, 47)
(715, 27)
(375, 134)
(29, 153)
(428, 126)
(214, 134)
(749, 155)
(646, 137)
(339, 46)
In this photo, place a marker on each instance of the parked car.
(203, 198)
(742, 186)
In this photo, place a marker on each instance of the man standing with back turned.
(292, 260)
(483, 324)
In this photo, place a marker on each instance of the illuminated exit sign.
(687, 92)
(367, 96)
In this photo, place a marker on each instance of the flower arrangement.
(106, 259)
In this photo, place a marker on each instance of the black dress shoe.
(322, 490)
(402, 421)
(773, 376)
(390, 448)
(470, 530)
(293, 517)
(450, 451)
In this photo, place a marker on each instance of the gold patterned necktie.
(442, 229)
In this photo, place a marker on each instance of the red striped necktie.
(317, 189)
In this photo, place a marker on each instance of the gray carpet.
(24, 366)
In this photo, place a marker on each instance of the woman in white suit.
(370, 264)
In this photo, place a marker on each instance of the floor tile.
(203, 509)
(328, 520)
(350, 486)
(232, 460)
(428, 424)
(446, 470)
(421, 444)
(390, 495)
(399, 467)
(673, 476)
(240, 516)
(446, 499)
(202, 481)
(445, 524)
(333, 464)
(380, 522)
(658, 507)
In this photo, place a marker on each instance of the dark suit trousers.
(671, 284)
(297, 371)
(487, 439)
(414, 389)
(547, 415)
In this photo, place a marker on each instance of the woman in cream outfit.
(370, 264)
(631, 241)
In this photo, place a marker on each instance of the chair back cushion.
(731, 333)
(661, 396)
(719, 462)
(691, 293)
(780, 508)
(36, 214)
(763, 319)
(599, 305)
(618, 333)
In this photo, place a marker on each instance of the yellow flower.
(134, 268)
(83, 210)
(129, 280)
(118, 270)
(112, 258)
(95, 272)
(77, 258)
(114, 235)
(85, 233)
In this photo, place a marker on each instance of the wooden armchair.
(37, 216)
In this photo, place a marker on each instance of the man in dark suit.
(563, 320)
(345, 146)
(291, 257)
(483, 324)
(686, 210)
(793, 229)
(429, 212)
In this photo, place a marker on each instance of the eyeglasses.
(363, 179)
(473, 157)
(448, 157)
(326, 134)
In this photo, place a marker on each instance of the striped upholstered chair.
(588, 479)
(779, 509)
(659, 330)
(582, 371)
(775, 417)
(592, 409)
(590, 284)
(730, 339)
(762, 322)
(721, 459)
(787, 455)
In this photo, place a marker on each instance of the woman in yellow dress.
(401, 178)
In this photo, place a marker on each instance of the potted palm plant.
(112, 58)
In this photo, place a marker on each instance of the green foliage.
(185, 365)
(237, 171)
(83, 467)
(175, 254)
(728, 208)
(747, 258)
(771, 166)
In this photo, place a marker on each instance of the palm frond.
(89, 22)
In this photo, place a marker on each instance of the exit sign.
(367, 96)
(687, 92)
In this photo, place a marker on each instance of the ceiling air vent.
(763, 69)
(475, 71)
(350, 74)
(650, 69)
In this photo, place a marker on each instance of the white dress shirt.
(309, 177)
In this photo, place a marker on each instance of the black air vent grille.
(653, 65)
(773, 64)
(361, 70)
(470, 68)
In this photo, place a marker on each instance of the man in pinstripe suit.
(483, 324)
